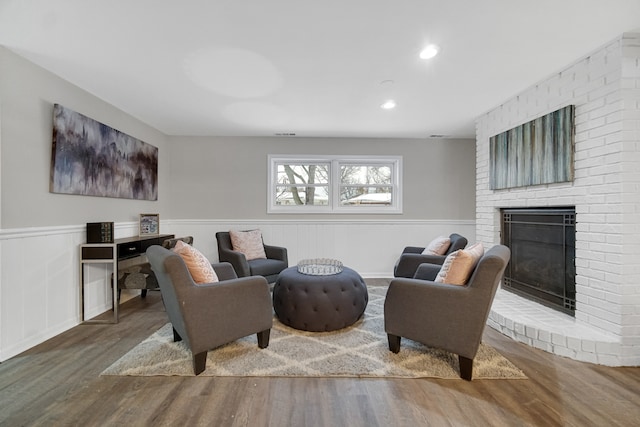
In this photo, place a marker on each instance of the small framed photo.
(149, 224)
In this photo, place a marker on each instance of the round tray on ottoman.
(319, 303)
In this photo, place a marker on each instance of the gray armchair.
(269, 268)
(412, 257)
(450, 317)
(209, 315)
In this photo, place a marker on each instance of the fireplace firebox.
(542, 266)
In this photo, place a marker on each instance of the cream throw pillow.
(459, 265)
(249, 243)
(198, 265)
(437, 246)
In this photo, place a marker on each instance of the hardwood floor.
(59, 383)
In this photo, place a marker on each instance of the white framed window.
(340, 184)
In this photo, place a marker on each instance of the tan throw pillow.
(437, 246)
(198, 265)
(459, 265)
(249, 243)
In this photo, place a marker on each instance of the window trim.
(334, 206)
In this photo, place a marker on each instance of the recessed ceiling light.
(388, 105)
(429, 51)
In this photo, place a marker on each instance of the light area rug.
(360, 350)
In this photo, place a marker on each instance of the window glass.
(365, 185)
(333, 183)
(302, 184)
(303, 174)
(368, 196)
(302, 195)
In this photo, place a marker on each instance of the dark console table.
(113, 253)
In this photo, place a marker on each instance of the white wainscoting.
(370, 247)
(39, 284)
(39, 267)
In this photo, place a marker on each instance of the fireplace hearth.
(542, 265)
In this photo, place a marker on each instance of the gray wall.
(226, 177)
(199, 177)
(27, 95)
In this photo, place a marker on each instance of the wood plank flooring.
(58, 383)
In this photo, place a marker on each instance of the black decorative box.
(100, 232)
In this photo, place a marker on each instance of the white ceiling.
(313, 68)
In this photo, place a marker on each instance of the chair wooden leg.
(263, 338)
(394, 343)
(143, 293)
(199, 362)
(176, 336)
(466, 368)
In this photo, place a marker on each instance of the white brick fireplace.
(605, 88)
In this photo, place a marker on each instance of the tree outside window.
(334, 184)
(302, 184)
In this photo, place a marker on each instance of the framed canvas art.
(537, 152)
(92, 159)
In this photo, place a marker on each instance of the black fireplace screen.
(542, 265)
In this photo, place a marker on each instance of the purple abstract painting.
(92, 159)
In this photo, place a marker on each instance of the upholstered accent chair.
(412, 257)
(442, 315)
(209, 315)
(276, 259)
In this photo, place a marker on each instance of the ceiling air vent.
(285, 134)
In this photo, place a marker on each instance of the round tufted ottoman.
(319, 303)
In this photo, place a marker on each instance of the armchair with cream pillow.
(447, 306)
(434, 253)
(248, 254)
(208, 315)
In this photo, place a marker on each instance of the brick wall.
(605, 88)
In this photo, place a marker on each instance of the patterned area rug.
(360, 350)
